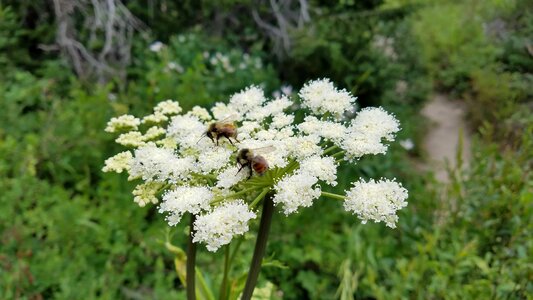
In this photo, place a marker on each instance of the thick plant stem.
(260, 247)
(224, 284)
(191, 262)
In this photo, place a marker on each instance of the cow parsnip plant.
(185, 168)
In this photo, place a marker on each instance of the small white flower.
(201, 113)
(153, 132)
(332, 131)
(122, 123)
(247, 100)
(131, 139)
(159, 164)
(248, 129)
(286, 89)
(367, 131)
(304, 146)
(167, 142)
(118, 163)
(376, 200)
(376, 121)
(281, 120)
(175, 66)
(324, 168)
(322, 97)
(146, 193)
(187, 130)
(230, 177)
(156, 46)
(296, 191)
(155, 118)
(218, 227)
(407, 144)
(180, 200)
(221, 111)
(168, 107)
(214, 158)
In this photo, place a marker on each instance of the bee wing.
(229, 119)
(264, 150)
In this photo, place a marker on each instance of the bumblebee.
(251, 159)
(222, 129)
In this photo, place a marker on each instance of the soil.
(441, 144)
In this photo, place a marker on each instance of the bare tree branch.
(281, 17)
(109, 23)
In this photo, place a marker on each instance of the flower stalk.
(224, 284)
(260, 247)
(191, 262)
(333, 196)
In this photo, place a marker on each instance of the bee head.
(244, 155)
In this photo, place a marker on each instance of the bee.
(251, 159)
(225, 128)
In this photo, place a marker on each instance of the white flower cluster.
(218, 227)
(124, 122)
(185, 199)
(200, 161)
(322, 97)
(376, 200)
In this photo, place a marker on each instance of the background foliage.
(68, 231)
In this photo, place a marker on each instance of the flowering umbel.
(180, 164)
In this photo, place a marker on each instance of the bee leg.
(251, 171)
(227, 137)
(241, 167)
(217, 140)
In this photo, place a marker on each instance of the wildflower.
(155, 118)
(122, 123)
(191, 174)
(168, 107)
(159, 164)
(156, 46)
(201, 113)
(324, 168)
(322, 97)
(376, 200)
(296, 191)
(153, 132)
(218, 227)
(118, 163)
(230, 177)
(131, 139)
(184, 199)
(407, 144)
(146, 193)
(247, 100)
(367, 131)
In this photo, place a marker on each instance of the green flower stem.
(333, 196)
(235, 250)
(338, 154)
(328, 150)
(218, 199)
(191, 261)
(224, 285)
(259, 197)
(206, 176)
(260, 247)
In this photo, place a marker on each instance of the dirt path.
(442, 141)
